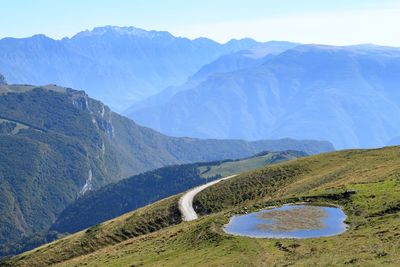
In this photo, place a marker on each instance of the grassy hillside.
(137, 191)
(57, 144)
(140, 190)
(373, 216)
(230, 167)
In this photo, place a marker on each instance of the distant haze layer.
(243, 89)
(347, 95)
(118, 65)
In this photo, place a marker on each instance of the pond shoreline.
(290, 221)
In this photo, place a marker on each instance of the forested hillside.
(57, 144)
(137, 191)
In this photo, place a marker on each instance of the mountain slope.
(117, 65)
(71, 144)
(137, 191)
(242, 59)
(364, 183)
(311, 91)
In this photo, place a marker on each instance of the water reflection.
(289, 221)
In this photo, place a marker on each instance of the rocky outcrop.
(101, 114)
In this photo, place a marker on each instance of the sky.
(337, 22)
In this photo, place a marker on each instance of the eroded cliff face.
(100, 169)
(101, 114)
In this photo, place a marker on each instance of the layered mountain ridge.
(309, 91)
(254, 56)
(117, 65)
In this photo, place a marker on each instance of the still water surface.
(289, 221)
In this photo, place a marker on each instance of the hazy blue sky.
(307, 21)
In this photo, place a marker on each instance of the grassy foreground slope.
(373, 217)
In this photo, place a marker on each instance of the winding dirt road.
(186, 201)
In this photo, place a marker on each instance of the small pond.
(289, 221)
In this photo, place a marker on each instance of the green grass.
(140, 222)
(52, 137)
(239, 166)
(133, 192)
(373, 238)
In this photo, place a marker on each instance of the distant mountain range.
(58, 144)
(242, 59)
(347, 95)
(243, 89)
(117, 65)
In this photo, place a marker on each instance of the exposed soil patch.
(297, 218)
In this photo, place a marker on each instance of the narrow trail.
(186, 201)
